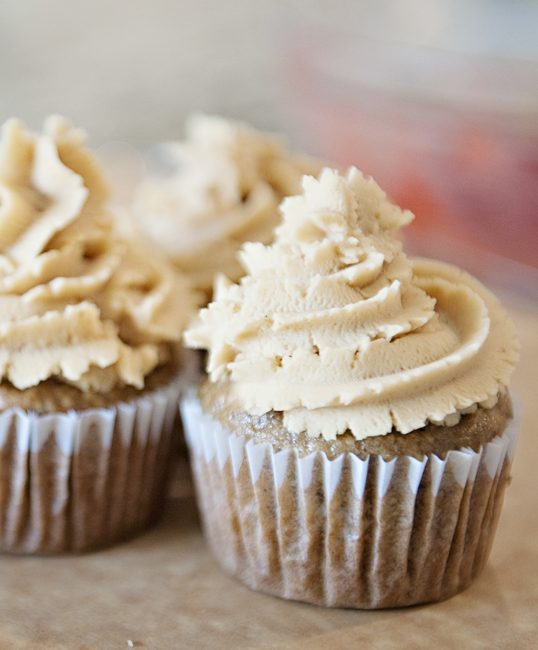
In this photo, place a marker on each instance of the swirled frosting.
(77, 302)
(228, 183)
(337, 328)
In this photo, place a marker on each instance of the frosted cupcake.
(353, 442)
(228, 182)
(90, 366)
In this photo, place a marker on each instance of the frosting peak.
(77, 302)
(337, 328)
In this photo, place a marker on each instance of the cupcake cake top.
(77, 302)
(337, 328)
(228, 182)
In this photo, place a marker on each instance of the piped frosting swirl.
(77, 302)
(337, 328)
(228, 182)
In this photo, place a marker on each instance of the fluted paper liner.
(347, 532)
(81, 480)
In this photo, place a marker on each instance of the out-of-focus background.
(131, 70)
(437, 99)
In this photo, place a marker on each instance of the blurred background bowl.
(438, 101)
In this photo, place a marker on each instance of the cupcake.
(227, 184)
(353, 441)
(90, 361)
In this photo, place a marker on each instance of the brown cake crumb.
(54, 396)
(473, 430)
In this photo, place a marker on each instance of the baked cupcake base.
(347, 532)
(77, 481)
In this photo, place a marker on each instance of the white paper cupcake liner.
(347, 532)
(180, 485)
(71, 482)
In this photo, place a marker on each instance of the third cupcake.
(90, 361)
(226, 184)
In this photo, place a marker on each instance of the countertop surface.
(163, 590)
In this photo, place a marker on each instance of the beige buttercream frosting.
(228, 182)
(337, 328)
(77, 302)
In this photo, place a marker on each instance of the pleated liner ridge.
(79, 481)
(347, 532)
